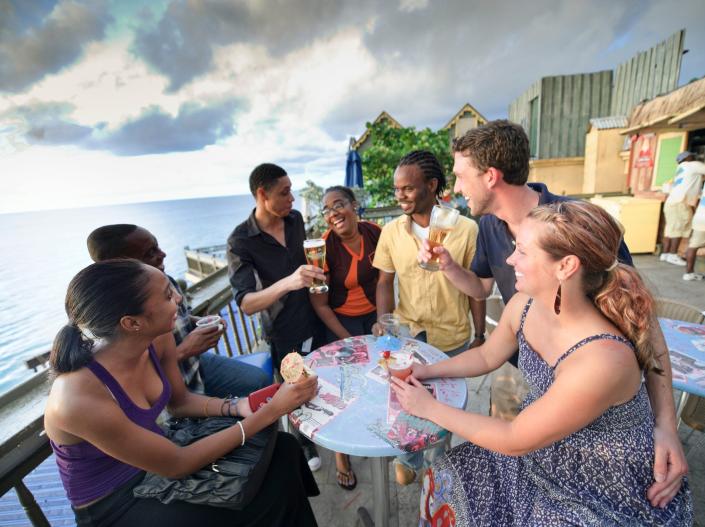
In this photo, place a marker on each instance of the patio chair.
(691, 408)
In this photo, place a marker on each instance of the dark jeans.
(226, 377)
(359, 325)
(281, 345)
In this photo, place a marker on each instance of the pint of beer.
(315, 251)
(443, 219)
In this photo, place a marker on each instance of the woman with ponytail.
(581, 450)
(116, 369)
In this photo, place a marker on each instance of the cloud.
(181, 44)
(428, 58)
(153, 132)
(412, 5)
(444, 57)
(311, 73)
(36, 41)
(156, 132)
(43, 123)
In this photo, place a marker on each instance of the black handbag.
(231, 481)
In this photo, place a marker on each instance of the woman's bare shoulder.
(515, 308)
(74, 393)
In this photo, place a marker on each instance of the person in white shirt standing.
(697, 240)
(679, 205)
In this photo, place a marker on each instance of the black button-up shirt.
(256, 261)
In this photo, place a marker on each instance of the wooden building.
(555, 112)
(605, 153)
(648, 74)
(364, 141)
(465, 119)
(661, 128)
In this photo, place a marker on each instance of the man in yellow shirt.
(435, 311)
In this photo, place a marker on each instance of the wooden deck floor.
(46, 486)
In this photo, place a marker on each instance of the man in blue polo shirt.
(491, 165)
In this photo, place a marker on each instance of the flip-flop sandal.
(350, 475)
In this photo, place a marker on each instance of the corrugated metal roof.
(606, 123)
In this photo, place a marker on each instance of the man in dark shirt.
(268, 271)
(491, 165)
(205, 373)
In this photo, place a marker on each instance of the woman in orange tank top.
(348, 308)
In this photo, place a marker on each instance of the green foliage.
(313, 195)
(389, 145)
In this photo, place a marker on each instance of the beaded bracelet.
(222, 407)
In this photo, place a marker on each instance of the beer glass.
(443, 219)
(315, 251)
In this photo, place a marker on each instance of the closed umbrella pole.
(353, 170)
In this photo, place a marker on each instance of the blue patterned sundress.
(597, 476)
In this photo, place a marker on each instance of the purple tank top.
(87, 472)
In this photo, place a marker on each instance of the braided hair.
(429, 165)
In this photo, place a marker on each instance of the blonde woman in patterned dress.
(581, 450)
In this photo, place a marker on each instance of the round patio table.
(356, 413)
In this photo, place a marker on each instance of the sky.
(124, 101)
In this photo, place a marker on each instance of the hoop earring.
(557, 301)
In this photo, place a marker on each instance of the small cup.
(210, 320)
(390, 324)
(401, 366)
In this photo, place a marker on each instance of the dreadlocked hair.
(429, 165)
(587, 231)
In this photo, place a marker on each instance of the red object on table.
(261, 397)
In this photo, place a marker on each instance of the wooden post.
(254, 330)
(244, 330)
(30, 506)
(234, 326)
(226, 340)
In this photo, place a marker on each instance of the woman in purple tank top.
(116, 370)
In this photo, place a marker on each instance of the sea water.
(42, 251)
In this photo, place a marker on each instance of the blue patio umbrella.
(353, 170)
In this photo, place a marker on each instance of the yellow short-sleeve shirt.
(428, 300)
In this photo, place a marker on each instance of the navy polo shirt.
(495, 243)
(256, 261)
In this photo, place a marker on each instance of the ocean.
(42, 251)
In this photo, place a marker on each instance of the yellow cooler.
(638, 216)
